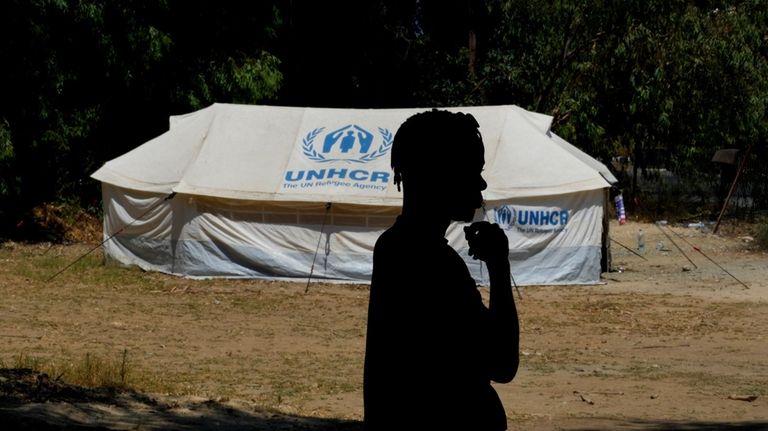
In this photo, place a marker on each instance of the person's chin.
(464, 216)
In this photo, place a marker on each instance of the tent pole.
(319, 239)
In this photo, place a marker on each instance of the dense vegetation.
(656, 83)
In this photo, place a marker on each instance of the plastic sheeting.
(553, 240)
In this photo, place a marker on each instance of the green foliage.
(6, 158)
(761, 233)
(92, 371)
(245, 80)
(84, 81)
(6, 146)
(663, 84)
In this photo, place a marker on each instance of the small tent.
(281, 192)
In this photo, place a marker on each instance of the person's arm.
(488, 243)
(505, 326)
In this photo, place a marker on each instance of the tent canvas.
(253, 186)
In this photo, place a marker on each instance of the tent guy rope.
(676, 246)
(629, 249)
(169, 197)
(319, 239)
(708, 258)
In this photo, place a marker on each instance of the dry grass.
(269, 344)
(92, 371)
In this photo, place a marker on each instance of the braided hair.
(433, 138)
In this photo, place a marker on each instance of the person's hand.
(487, 241)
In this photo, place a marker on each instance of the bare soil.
(663, 343)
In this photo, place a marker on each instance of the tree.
(661, 83)
(84, 81)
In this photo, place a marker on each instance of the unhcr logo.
(341, 152)
(505, 216)
(531, 220)
(351, 144)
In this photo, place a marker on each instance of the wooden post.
(733, 187)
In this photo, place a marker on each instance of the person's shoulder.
(390, 238)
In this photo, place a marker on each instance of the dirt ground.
(661, 344)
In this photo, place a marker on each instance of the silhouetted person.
(432, 347)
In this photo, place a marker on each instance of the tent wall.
(206, 237)
(552, 239)
(144, 221)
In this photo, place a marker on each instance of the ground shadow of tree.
(30, 400)
(611, 424)
(668, 425)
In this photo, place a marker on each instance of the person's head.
(439, 156)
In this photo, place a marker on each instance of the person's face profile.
(464, 189)
(441, 164)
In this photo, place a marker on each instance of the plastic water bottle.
(640, 241)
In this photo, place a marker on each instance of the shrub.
(761, 234)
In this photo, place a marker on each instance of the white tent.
(253, 186)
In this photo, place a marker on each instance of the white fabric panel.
(244, 152)
(585, 158)
(541, 122)
(197, 237)
(269, 153)
(126, 212)
(545, 251)
(533, 165)
(159, 165)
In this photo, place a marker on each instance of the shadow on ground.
(701, 426)
(32, 401)
(606, 424)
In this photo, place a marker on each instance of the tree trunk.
(472, 54)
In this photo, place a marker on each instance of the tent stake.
(169, 197)
(320, 238)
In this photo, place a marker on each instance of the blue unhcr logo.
(351, 144)
(531, 220)
(505, 216)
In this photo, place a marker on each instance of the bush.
(761, 234)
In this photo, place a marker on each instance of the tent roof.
(584, 157)
(297, 154)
